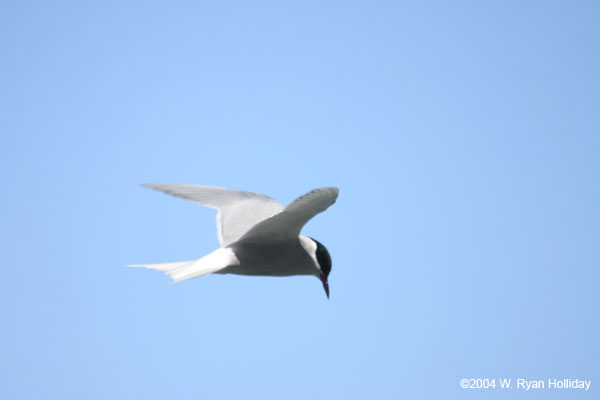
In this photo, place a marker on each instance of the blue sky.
(464, 138)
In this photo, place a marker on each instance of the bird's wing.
(288, 223)
(237, 211)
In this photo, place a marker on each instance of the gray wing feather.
(238, 211)
(289, 222)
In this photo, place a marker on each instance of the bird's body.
(258, 235)
(285, 258)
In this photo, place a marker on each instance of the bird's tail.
(170, 269)
(180, 271)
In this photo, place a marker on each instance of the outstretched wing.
(238, 211)
(288, 223)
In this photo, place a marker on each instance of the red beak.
(325, 284)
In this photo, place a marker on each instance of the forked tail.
(183, 270)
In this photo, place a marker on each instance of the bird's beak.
(325, 284)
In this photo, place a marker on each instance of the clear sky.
(464, 138)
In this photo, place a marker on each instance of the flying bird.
(258, 236)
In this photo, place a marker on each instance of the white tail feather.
(183, 270)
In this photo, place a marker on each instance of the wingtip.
(335, 190)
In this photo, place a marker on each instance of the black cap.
(323, 258)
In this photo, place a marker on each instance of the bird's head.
(323, 264)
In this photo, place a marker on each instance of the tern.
(258, 236)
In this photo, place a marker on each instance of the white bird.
(258, 236)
